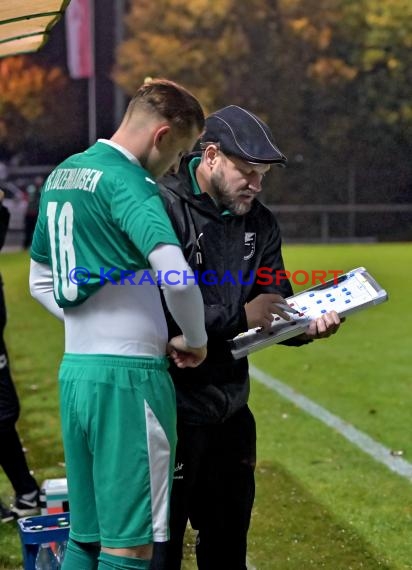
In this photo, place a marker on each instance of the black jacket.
(4, 224)
(219, 243)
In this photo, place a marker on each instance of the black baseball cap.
(240, 133)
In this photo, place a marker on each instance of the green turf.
(363, 372)
(35, 342)
(321, 502)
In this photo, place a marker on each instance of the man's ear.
(211, 153)
(160, 134)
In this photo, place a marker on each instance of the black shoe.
(6, 514)
(27, 505)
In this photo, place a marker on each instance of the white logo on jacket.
(178, 467)
(3, 361)
(250, 245)
(199, 257)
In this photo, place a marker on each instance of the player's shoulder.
(135, 178)
(119, 170)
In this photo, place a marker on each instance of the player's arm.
(41, 287)
(184, 301)
(41, 276)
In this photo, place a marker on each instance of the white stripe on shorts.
(159, 464)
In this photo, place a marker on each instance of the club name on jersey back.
(73, 179)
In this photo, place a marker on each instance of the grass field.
(321, 501)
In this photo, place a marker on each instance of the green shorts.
(119, 434)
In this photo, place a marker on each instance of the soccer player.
(101, 228)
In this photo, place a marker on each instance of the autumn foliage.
(29, 97)
(332, 77)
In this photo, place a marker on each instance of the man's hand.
(324, 326)
(259, 312)
(1, 195)
(185, 356)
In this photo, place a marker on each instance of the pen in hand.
(287, 308)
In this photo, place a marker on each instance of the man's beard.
(225, 199)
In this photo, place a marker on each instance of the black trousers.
(29, 226)
(12, 458)
(214, 488)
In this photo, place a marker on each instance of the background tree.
(332, 77)
(225, 52)
(359, 96)
(33, 109)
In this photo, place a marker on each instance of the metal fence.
(325, 223)
(328, 223)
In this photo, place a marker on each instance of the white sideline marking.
(376, 450)
(249, 564)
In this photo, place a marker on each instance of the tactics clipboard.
(350, 292)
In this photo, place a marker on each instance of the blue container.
(41, 530)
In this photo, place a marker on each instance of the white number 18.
(64, 243)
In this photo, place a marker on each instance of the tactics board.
(350, 292)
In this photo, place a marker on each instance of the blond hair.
(171, 101)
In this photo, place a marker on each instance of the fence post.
(351, 200)
(324, 226)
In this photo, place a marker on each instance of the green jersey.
(100, 216)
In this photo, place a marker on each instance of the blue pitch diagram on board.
(351, 292)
